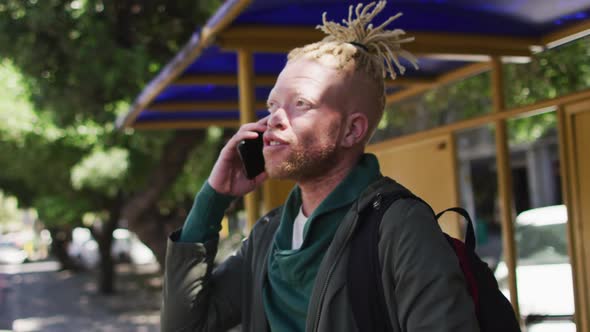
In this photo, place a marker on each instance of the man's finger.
(264, 120)
(242, 135)
(255, 126)
(260, 178)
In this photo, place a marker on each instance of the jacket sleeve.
(196, 296)
(428, 292)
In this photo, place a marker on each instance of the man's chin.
(282, 171)
(278, 174)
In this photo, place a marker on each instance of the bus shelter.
(224, 73)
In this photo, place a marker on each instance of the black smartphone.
(250, 151)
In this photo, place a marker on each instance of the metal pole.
(504, 183)
(248, 114)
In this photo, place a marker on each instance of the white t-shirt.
(298, 225)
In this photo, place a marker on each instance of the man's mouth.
(272, 140)
(274, 143)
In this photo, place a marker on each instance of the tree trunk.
(151, 229)
(104, 236)
(106, 277)
(61, 238)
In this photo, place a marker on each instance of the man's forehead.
(307, 67)
(307, 71)
(299, 84)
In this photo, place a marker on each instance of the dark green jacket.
(424, 286)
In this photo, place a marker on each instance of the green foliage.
(101, 171)
(550, 74)
(34, 150)
(68, 69)
(196, 170)
(528, 130)
(446, 104)
(81, 56)
(18, 118)
(58, 210)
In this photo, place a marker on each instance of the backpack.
(366, 293)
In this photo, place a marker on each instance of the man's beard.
(304, 164)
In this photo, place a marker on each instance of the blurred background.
(67, 69)
(86, 201)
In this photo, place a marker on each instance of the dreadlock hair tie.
(359, 45)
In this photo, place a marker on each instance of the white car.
(126, 247)
(543, 271)
(11, 254)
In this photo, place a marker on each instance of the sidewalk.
(37, 297)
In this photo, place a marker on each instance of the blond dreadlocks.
(374, 50)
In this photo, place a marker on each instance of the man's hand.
(227, 176)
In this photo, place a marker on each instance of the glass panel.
(446, 104)
(550, 74)
(544, 277)
(478, 186)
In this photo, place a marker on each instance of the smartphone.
(250, 151)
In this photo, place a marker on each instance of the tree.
(82, 62)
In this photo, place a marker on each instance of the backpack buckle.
(377, 202)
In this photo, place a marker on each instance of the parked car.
(11, 254)
(126, 247)
(544, 276)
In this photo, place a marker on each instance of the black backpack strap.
(470, 233)
(365, 288)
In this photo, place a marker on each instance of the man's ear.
(357, 125)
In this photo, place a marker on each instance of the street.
(39, 297)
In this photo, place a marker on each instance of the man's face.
(306, 121)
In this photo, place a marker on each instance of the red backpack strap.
(470, 233)
(461, 251)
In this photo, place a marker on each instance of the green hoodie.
(291, 273)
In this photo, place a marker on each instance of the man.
(290, 274)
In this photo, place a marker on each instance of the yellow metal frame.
(504, 183)
(260, 38)
(227, 80)
(210, 32)
(186, 124)
(247, 115)
(183, 59)
(269, 80)
(202, 106)
(283, 39)
(569, 173)
(568, 34)
(455, 75)
(573, 237)
(536, 108)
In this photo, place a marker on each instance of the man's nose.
(277, 119)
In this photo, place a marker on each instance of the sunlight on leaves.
(102, 170)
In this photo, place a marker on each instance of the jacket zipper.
(376, 205)
(331, 271)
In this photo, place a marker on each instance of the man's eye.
(301, 103)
